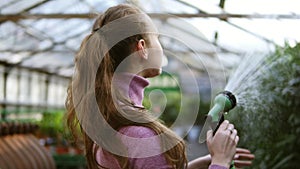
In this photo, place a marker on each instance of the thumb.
(209, 135)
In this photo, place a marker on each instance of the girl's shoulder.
(137, 131)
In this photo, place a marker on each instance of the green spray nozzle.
(223, 102)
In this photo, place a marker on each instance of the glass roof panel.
(101, 5)
(49, 60)
(263, 7)
(78, 7)
(13, 37)
(236, 39)
(165, 6)
(207, 26)
(72, 26)
(4, 55)
(44, 25)
(18, 6)
(278, 31)
(5, 3)
(74, 43)
(7, 28)
(230, 37)
(57, 6)
(189, 35)
(52, 29)
(57, 40)
(208, 6)
(67, 71)
(14, 58)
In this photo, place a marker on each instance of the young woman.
(105, 98)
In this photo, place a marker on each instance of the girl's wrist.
(220, 163)
(215, 166)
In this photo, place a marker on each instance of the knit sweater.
(132, 86)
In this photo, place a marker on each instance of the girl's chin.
(152, 72)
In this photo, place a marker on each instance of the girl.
(105, 98)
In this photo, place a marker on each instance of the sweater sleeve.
(217, 167)
(144, 154)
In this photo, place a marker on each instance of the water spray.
(224, 102)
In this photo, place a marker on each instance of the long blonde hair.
(90, 50)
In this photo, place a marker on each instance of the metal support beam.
(222, 4)
(18, 88)
(17, 17)
(28, 8)
(47, 80)
(29, 90)
(40, 70)
(5, 75)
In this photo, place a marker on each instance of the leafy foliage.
(52, 123)
(269, 119)
(173, 107)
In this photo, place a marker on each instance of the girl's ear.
(141, 49)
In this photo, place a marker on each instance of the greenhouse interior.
(249, 48)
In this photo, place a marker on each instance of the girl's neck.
(131, 86)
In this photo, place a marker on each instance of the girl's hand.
(222, 146)
(243, 158)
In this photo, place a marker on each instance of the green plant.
(52, 123)
(268, 120)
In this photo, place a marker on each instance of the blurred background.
(212, 42)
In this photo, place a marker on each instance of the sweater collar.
(131, 86)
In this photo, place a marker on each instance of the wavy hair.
(92, 48)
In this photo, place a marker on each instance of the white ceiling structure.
(44, 35)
